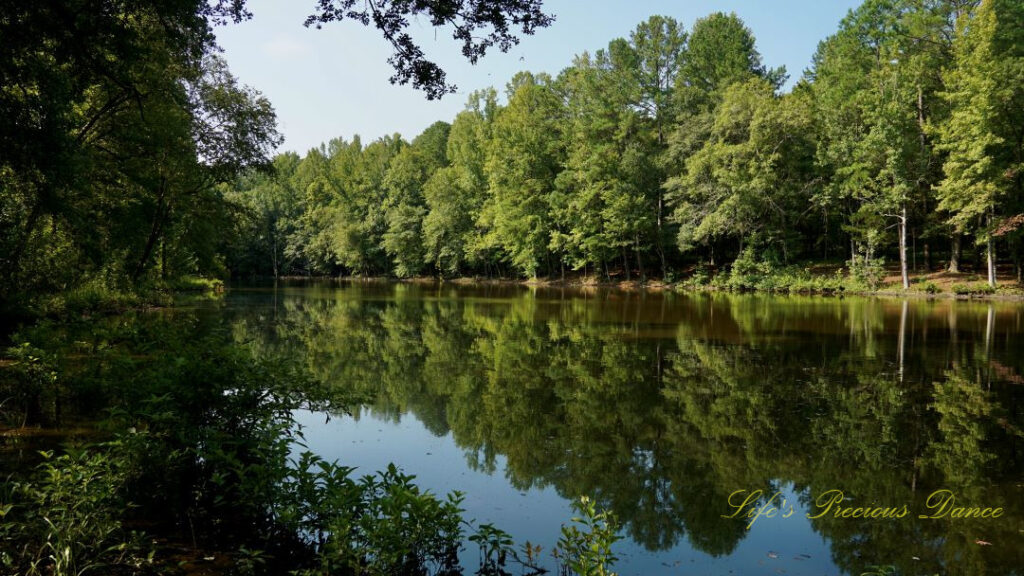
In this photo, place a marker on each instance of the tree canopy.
(129, 151)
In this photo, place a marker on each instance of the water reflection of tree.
(884, 400)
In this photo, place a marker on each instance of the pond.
(728, 433)
(861, 432)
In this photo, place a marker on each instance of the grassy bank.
(101, 296)
(815, 279)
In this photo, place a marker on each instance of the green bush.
(585, 546)
(195, 284)
(700, 279)
(495, 549)
(66, 520)
(865, 272)
(750, 273)
(972, 289)
(30, 388)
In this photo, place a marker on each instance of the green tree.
(405, 203)
(720, 52)
(456, 194)
(272, 211)
(358, 215)
(524, 156)
(747, 181)
(598, 208)
(983, 134)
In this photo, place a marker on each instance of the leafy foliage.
(672, 150)
(586, 549)
(468, 18)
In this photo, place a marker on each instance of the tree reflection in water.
(660, 405)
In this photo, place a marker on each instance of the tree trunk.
(954, 254)
(14, 260)
(990, 253)
(274, 257)
(625, 262)
(154, 233)
(927, 259)
(661, 257)
(990, 250)
(903, 248)
(639, 261)
(163, 257)
(661, 244)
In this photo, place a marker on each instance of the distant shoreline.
(658, 285)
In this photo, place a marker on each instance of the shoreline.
(657, 285)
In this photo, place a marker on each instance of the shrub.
(30, 388)
(66, 519)
(750, 273)
(195, 284)
(495, 549)
(867, 272)
(588, 551)
(972, 289)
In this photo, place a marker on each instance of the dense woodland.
(130, 154)
(120, 119)
(676, 148)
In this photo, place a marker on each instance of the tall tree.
(747, 181)
(455, 195)
(659, 45)
(593, 211)
(984, 134)
(272, 210)
(523, 159)
(405, 204)
(359, 213)
(720, 53)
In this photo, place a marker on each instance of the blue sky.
(334, 82)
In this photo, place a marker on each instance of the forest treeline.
(676, 148)
(120, 119)
(130, 156)
(117, 120)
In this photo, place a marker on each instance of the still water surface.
(660, 406)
